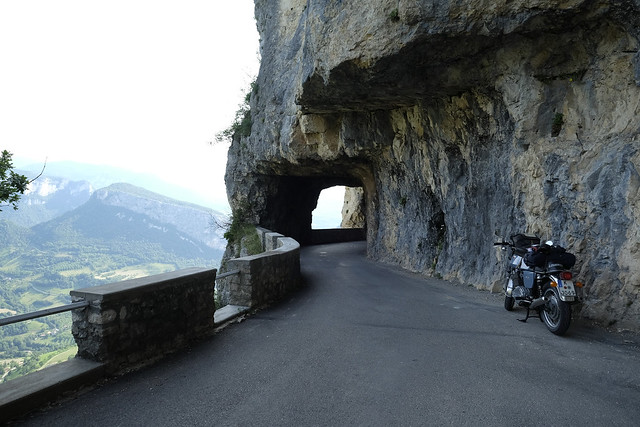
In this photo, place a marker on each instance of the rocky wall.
(353, 208)
(462, 122)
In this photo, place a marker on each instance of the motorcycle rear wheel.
(556, 314)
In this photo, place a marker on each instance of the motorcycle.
(539, 279)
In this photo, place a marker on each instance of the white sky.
(138, 84)
(328, 213)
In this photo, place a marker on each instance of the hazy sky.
(138, 84)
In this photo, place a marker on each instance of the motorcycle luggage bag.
(535, 259)
(522, 242)
(550, 255)
(566, 259)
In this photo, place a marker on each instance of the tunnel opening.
(339, 215)
(328, 211)
(290, 209)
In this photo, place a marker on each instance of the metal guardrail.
(68, 307)
(42, 313)
(227, 274)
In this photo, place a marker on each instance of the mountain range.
(123, 211)
(66, 235)
(103, 175)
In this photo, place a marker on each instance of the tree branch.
(41, 172)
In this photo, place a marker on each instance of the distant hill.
(197, 222)
(12, 234)
(125, 212)
(47, 198)
(121, 232)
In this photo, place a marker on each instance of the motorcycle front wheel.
(508, 301)
(556, 313)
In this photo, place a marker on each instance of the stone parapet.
(268, 276)
(137, 321)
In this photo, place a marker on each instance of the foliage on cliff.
(242, 123)
(241, 234)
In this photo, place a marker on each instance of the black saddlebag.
(550, 255)
(566, 259)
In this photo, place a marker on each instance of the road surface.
(367, 344)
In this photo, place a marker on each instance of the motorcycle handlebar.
(502, 244)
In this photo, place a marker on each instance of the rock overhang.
(427, 66)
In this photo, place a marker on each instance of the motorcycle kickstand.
(528, 315)
(526, 318)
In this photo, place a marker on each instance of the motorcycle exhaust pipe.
(537, 302)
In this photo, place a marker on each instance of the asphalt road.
(372, 345)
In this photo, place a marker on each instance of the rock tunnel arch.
(290, 203)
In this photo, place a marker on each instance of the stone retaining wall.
(137, 321)
(268, 276)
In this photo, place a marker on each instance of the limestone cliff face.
(353, 208)
(462, 121)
